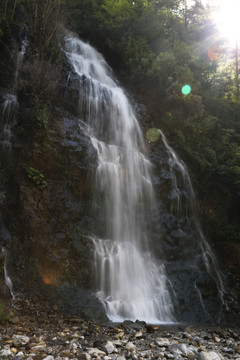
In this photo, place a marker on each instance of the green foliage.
(232, 232)
(42, 18)
(42, 117)
(117, 12)
(68, 178)
(4, 317)
(2, 198)
(36, 176)
(156, 47)
(28, 123)
(1, 267)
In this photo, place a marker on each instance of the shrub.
(36, 176)
(4, 317)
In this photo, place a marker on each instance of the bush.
(36, 176)
(4, 317)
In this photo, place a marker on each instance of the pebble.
(5, 353)
(39, 348)
(20, 340)
(210, 356)
(138, 335)
(162, 342)
(95, 352)
(58, 338)
(109, 347)
(130, 346)
(178, 349)
(14, 350)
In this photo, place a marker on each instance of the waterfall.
(151, 259)
(7, 278)
(8, 111)
(20, 57)
(9, 105)
(130, 281)
(183, 207)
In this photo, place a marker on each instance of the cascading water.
(130, 282)
(20, 57)
(9, 105)
(127, 243)
(151, 260)
(191, 264)
(8, 110)
(8, 280)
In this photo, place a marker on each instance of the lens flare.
(186, 89)
(153, 134)
(50, 276)
(167, 117)
(214, 53)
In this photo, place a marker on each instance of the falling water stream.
(200, 257)
(145, 248)
(9, 105)
(8, 111)
(130, 282)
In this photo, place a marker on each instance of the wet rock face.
(7, 60)
(49, 214)
(179, 240)
(48, 218)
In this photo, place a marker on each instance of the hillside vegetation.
(155, 47)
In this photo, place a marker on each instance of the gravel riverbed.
(44, 333)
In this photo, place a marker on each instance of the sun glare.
(225, 13)
(227, 19)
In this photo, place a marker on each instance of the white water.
(9, 105)
(130, 282)
(8, 111)
(19, 61)
(209, 258)
(188, 209)
(7, 278)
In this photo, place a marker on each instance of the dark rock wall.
(46, 189)
(51, 247)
